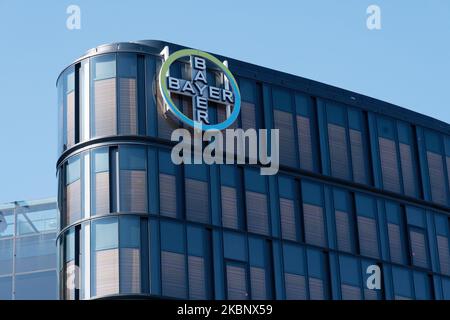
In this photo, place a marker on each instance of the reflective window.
(345, 220)
(350, 278)
(402, 283)
(6, 223)
(73, 190)
(5, 288)
(35, 286)
(103, 96)
(442, 238)
(289, 208)
(127, 78)
(366, 211)
(104, 257)
(398, 247)
(197, 192)
(307, 134)
(173, 260)
(418, 237)
(35, 253)
(130, 255)
(199, 265)
(313, 214)
(294, 272)
(168, 189)
(6, 257)
(318, 272)
(260, 275)
(230, 190)
(256, 202)
(100, 181)
(436, 170)
(133, 179)
(422, 286)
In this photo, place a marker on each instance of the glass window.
(35, 253)
(232, 216)
(133, 179)
(73, 190)
(402, 283)
(418, 237)
(234, 246)
(5, 288)
(167, 186)
(103, 96)
(294, 272)
(36, 286)
(350, 278)
(288, 208)
(396, 224)
(442, 237)
(237, 284)
(40, 220)
(345, 220)
(366, 211)
(130, 255)
(69, 103)
(307, 133)
(446, 288)
(407, 149)
(358, 145)
(173, 260)
(197, 192)
(6, 257)
(100, 181)
(283, 120)
(422, 286)
(6, 223)
(127, 77)
(436, 173)
(198, 263)
(256, 202)
(313, 214)
(249, 117)
(259, 283)
(105, 257)
(387, 145)
(69, 264)
(318, 272)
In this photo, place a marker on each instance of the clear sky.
(407, 62)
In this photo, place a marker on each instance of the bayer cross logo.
(202, 94)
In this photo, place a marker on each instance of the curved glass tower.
(361, 183)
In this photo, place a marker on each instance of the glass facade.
(28, 254)
(360, 185)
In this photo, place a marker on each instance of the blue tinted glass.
(312, 193)
(294, 259)
(415, 216)
(365, 205)
(70, 245)
(254, 181)
(172, 237)
(101, 160)
(36, 286)
(132, 158)
(130, 232)
(350, 272)
(336, 114)
(422, 286)
(442, 224)
(196, 171)
(5, 288)
(316, 263)
(70, 84)
(247, 89)
(228, 175)
(386, 128)
(355, 119)
(127, 65)
(104, 66)
(281, 99)
(433, 141)
(196, 240)
(446, 288)
(447, 146)
(303, 105)
(392, 212)
(404, 132)
(73, 170)
(256, 252)
(6, 256)
(234, 246)
(286, 187)
(165, 163)
(402, 282)
(105, 234)
(341, 200)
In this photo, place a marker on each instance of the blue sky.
(407, 62)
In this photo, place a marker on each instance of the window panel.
(100, 180)
(258, 268)
(127, 72)
(402, 284)
(357, 137)
(105, 257)
(197, 192)
(317, 275)
(337, 141)
(36, 286)
(418, 237)
(344, 221)
(256, 202)
(167, 186)
(237, 287)
(133, 179)
(294, 272)
(6, 256)
(395, 224)
(422, 286)
(5, 288)
(350, 278)
(288, 216)
(435, 162)
(70, 105)
(197, 263)
(313, 214)
(442, 237)
(305, 126)
(130, 256)
(367, 226)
